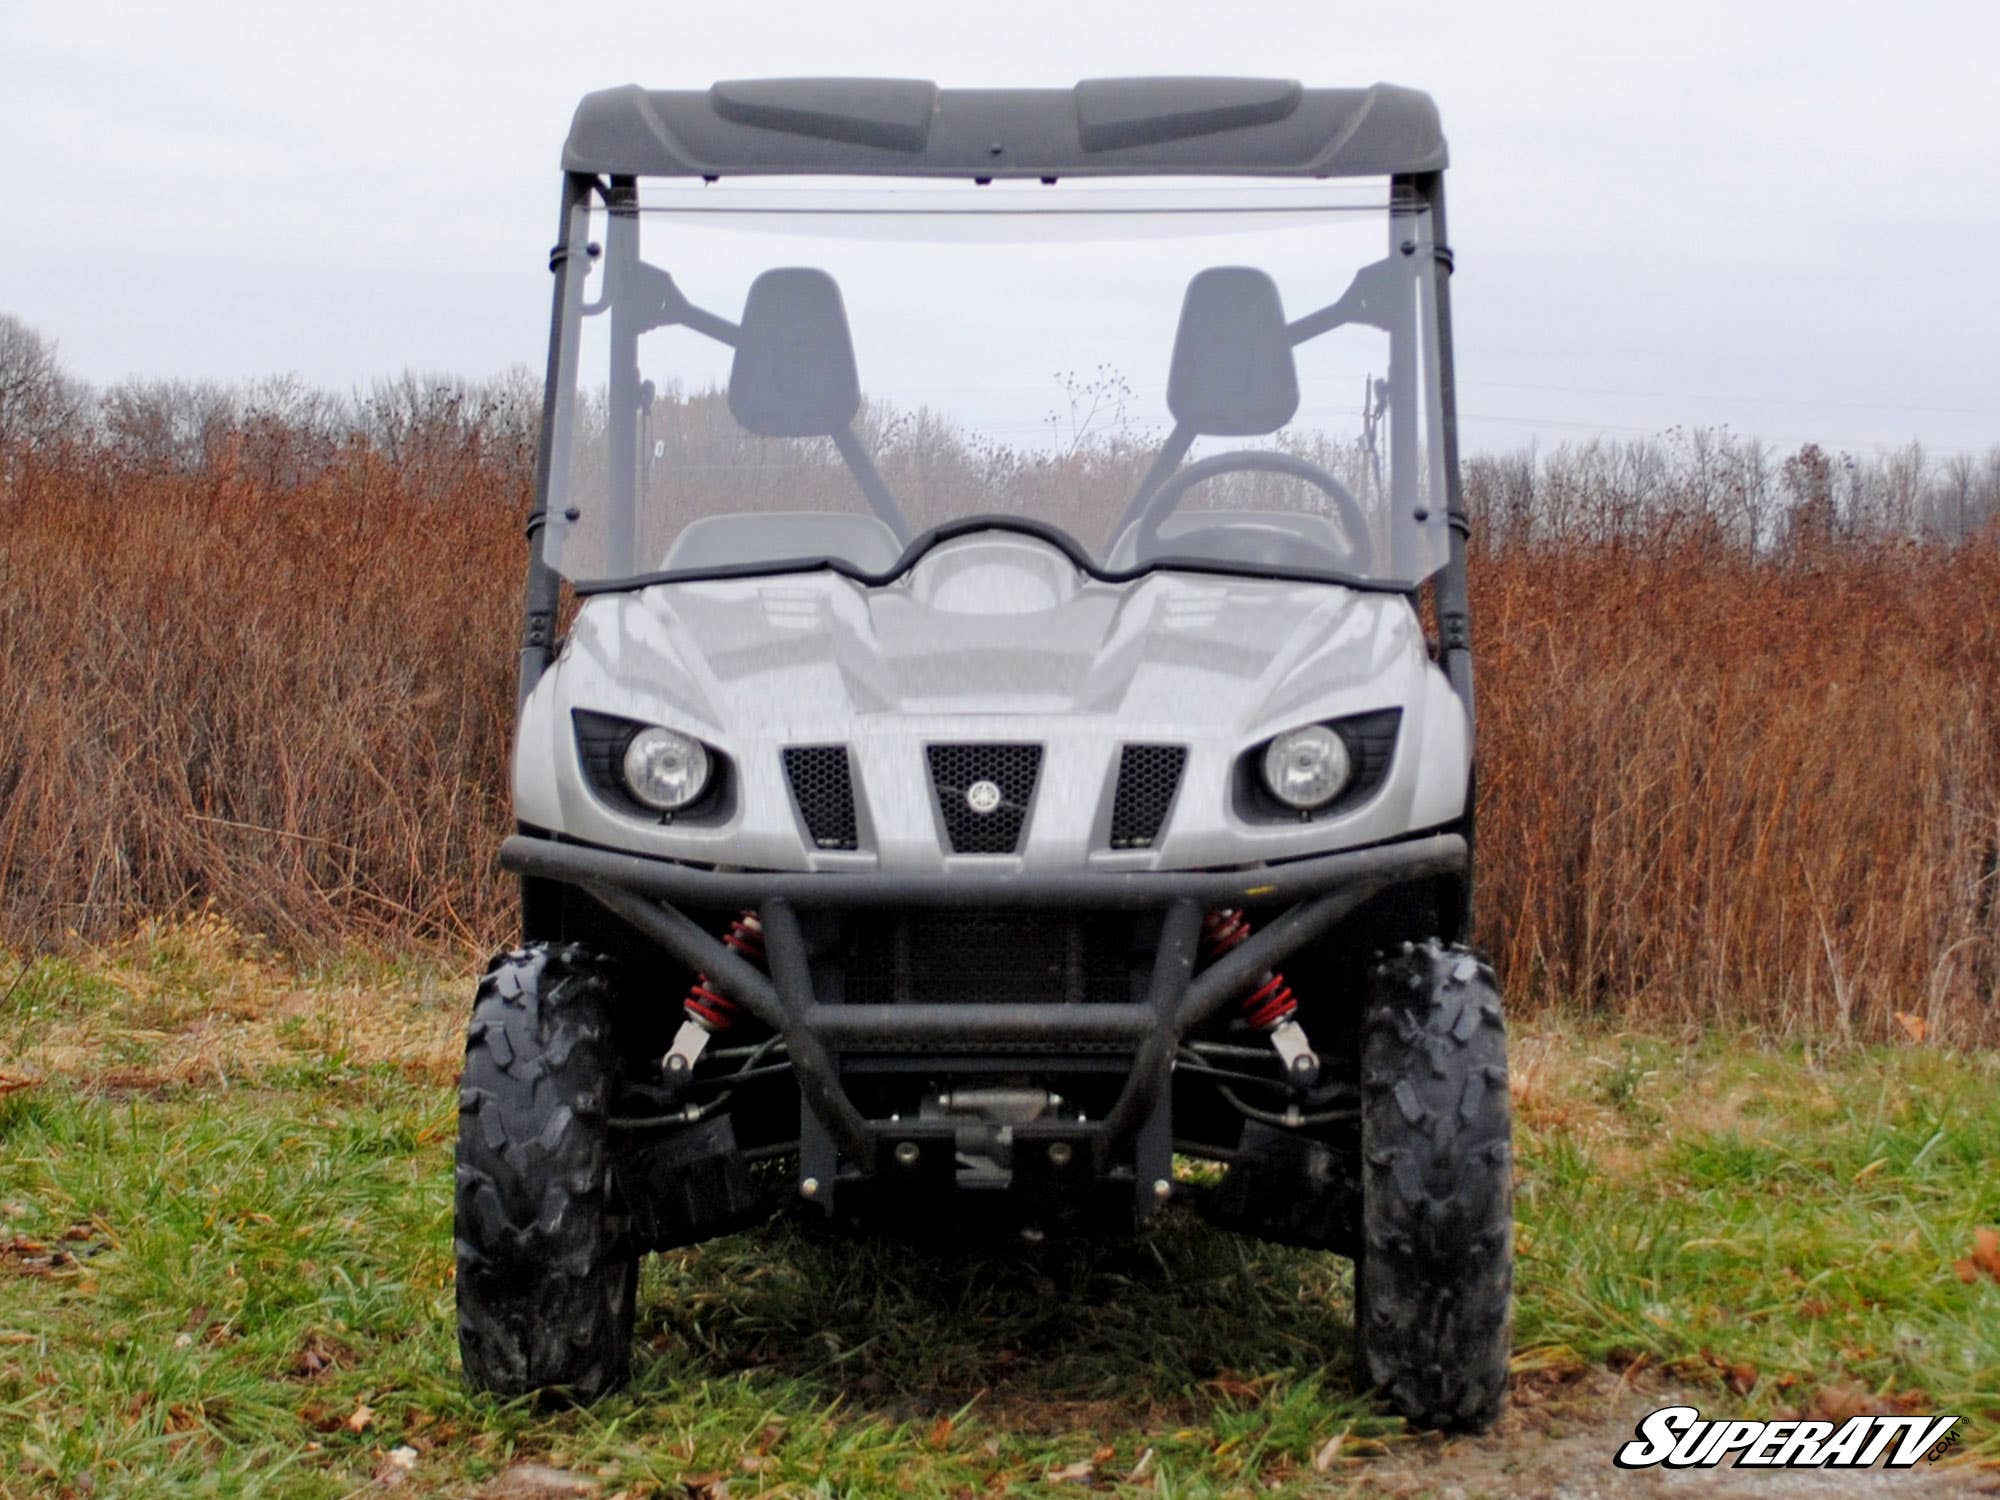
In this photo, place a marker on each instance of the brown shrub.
(1717, 784)
(1716, 787)
(290, 700)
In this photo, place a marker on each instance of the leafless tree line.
(1719, 485)
(280, 429)
(1705, 482)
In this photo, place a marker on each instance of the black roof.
(1103, 126)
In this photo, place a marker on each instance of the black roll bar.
(538, 624)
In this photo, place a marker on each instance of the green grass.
(1797, 1218)
(243, 1280)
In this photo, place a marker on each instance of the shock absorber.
(707, 1009)
(1269, 1004)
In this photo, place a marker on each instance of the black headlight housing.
(601, 743)
(1370, 739)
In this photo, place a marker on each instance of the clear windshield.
(763, 376)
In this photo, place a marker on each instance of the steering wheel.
(1160, 504)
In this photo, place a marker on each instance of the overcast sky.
(1780, 216)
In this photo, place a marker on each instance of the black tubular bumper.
(1317, 892)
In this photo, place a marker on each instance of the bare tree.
(167, 424)
(38, 401)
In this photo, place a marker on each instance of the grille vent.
(823, 787)
(955, 769)
(1148, 777)
(995, 957)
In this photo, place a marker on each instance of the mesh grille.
(994, 957)
(958, 769)
(1148, 777)
(823, 787)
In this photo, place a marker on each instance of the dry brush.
(1725, 775)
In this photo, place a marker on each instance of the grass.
(225, 1270)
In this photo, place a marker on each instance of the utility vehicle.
(995, 707)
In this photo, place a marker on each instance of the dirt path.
(1557, 1444)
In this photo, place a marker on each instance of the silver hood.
(991, 636)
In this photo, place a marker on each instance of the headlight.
(1307, 767)
(665, 770)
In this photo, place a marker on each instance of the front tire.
(1434, 1272)
(546, 1281)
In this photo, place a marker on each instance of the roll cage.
(913, 128)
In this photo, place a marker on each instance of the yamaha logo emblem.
(982, 797)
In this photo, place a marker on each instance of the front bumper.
(1315, 892)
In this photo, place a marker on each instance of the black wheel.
(546, 1278)
(1434, 1272)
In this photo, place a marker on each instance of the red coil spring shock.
(707, 1006)
(1271, 1003)
(708, 1010)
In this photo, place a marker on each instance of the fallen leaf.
(940, 1433)
(1741, 1378)
(1914, 1026)
(1986, 1251)
(317, 1355)
(1080, 1472)
(1329, 1451)
(361, 1418)
(540, 1482)
(395, 1467)
(1837, 1403)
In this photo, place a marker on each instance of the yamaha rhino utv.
(995, 708)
